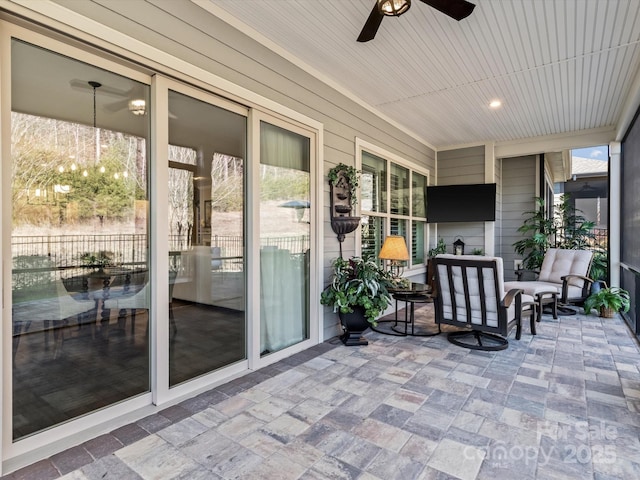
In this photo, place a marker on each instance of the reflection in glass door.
(207, 328)
(285, 206)
(78, 238)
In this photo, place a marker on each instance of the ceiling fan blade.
(456, 9)
(77, 84)
(371, 26)
(116, 106)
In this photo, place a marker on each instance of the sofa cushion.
(559, 262)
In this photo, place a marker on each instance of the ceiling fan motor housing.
(393, 8)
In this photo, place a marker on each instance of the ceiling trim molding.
(258, 37)
(629, 109)
(556, 143)
(464, 145)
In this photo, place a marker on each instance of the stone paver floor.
(564, 404)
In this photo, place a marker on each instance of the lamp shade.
(394, 248)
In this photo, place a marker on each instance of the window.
(392, 203)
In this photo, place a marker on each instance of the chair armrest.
(565, 284)
(513, 294)
(521, 271)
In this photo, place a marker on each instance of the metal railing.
(64, 253)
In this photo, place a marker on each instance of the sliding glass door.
(207, 329)
(129, 271)
(79, 246)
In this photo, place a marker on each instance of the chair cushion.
(534, 287)
(559, 262)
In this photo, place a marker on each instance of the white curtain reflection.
(284, 236)
(282, 298)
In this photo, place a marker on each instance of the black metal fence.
(36, 256)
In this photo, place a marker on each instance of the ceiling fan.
(456, 9)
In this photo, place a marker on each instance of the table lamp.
(395, 250)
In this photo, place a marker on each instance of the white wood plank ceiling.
(558, 66)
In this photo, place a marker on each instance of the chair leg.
(532, 319)
(493, 342)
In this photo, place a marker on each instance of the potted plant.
(359, 293)
(353, 177)
(100, 276)
(608, 301)
(98, 260)
(440, 247)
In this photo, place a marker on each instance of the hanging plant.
(351, 174)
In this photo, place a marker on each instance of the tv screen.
(461, 203)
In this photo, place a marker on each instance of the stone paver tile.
(181, 432)
(333, 468)
(101, 446)
(210, 417)
(282, 381)
(468, 421)
(310, 411)
(606, 398)
(109, 468)
(396, 374)
(43, 469)
(419, 449)
(270, 408)
(391, 465)
(234, 405)
(391, 415)
(276, 467)
(301, 453)
(406, 400)
(319, 363)
(261, 443)
(485, 409)
(457, 459)
(153, 457)
(255, 394)
(285, 428)
(153, 423)
(381, 434)
(358, 453)
(240, 426)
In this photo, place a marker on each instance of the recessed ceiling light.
(495, 103)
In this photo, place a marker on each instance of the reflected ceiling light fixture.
(138, 106)
(393, 8)
(495, 103)
(95, 85)
(96, 154)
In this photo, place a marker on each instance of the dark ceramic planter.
(354, 324)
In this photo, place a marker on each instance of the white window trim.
(364, 146)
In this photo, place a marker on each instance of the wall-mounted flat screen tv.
(461, 203)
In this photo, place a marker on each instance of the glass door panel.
(285, 205)
(207, 328)
(78, 238)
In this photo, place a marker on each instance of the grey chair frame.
(485, 336)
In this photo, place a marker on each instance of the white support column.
(489, 177)
(615, 215)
